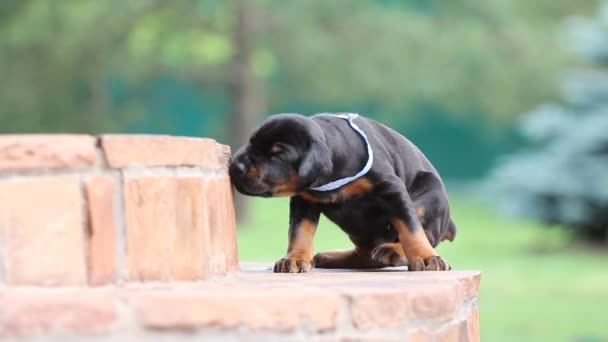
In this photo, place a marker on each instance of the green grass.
(536, 285)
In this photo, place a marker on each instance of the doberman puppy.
(375, 184)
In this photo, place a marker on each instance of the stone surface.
(102, 237)
(159, 150)
(46, 151)
(55, 312)
(41, 222)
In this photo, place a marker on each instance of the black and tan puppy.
(371, 181)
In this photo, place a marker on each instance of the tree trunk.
(246, 93)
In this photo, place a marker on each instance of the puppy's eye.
(276, 148)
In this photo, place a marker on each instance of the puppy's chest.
(358, 214)
(357, 189)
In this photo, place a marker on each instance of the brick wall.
(254, 305)
(110, 238)
(78, 209)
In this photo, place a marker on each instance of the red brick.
(471, 286)
(229, 238)
(187, 261)
(166, 228)
(470, 328)
(159, 150)
(222, 248)
(378, 307)
(41, 220)
(224, 156)
(419, 335)
(450, 333)
(102, 230)
(29, 313)
(435, 300)
(25, 152)
(277, 309)
(150, 204)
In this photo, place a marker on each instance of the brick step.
(83, 210)
(133, 238)
(255, 304)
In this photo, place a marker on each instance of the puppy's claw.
(433, 263)
(416, 265)
(290, 265)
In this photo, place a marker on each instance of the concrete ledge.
(255, 305)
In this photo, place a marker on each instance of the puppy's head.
(285, 155)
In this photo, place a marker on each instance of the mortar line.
(86, 228)
(118, 205)
(2, 257)
(130, 170)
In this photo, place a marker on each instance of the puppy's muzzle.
(245, 181)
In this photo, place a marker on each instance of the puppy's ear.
(316, 165)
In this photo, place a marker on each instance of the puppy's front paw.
(432, 263)
(293, 265)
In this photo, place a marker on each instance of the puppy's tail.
(450, 234)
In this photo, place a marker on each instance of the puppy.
(371, 181)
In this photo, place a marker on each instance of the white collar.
(341, 182)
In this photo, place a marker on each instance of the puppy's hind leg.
(352, 258)
(389, 254)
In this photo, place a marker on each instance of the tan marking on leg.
(415, 243)
(419, 253)
(301, 243)
(299, 251)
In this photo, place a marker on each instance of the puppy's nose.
(238, 167)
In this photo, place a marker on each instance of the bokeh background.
(508, 98)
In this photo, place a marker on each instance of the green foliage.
(57, 58)
(534, 285)
(563, 178)
(491, 57)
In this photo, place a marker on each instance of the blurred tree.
(563, 179)
(54, 58)
(492, 57)
(468, 57)
(245, 88)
